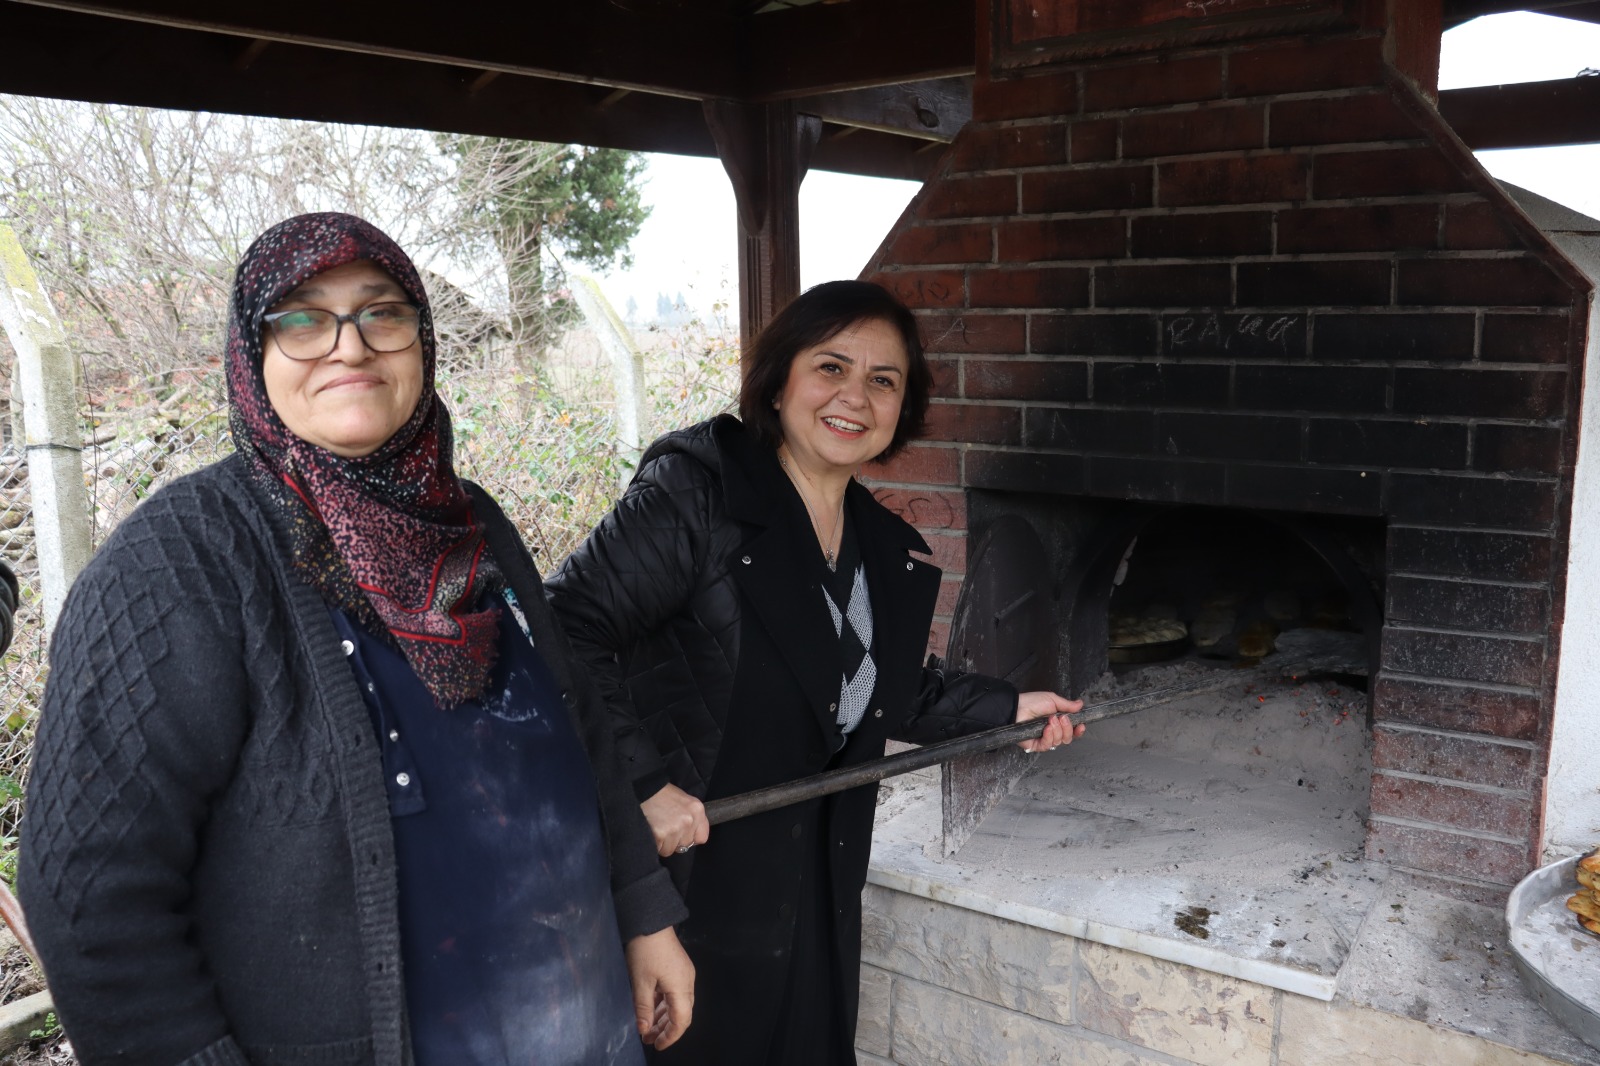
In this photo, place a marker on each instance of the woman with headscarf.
(311, 782)
(755, 616)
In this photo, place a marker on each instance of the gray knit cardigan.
(206, 863)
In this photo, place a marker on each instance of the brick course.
(1062, 238)
(1161, 81)
(1013, 146)
(1204, 235)
(1440, 851)
(1464, 605)
(1186, 132)
(1453, 757)
(1464, 708)
(1118, 334)
(1385, 172)
(1306, 66)
(1469, 810)
(1234, 180)
(1091, 189)
(1414, 337)
(1359, 228)
(1015, 379)
(1339, 120)
(1057, 287)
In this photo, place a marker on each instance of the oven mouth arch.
(1082, 593)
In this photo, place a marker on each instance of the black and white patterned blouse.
(845, 590)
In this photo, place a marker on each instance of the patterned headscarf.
(389, 537)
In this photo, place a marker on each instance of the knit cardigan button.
(745, 560)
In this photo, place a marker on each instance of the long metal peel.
(761, 800)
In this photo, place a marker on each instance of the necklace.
(828, 555)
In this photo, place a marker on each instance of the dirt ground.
(19, 978)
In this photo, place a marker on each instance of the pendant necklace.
(827, 552)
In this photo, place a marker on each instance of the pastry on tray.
(1126, 633)
(1586, 904)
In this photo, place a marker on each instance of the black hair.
(821, 312)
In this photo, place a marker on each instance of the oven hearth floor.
(1224, 834)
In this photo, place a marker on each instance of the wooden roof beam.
(599, 43)
(698, 54)
(60, 54)
(824, 48)
(53, 53)
(927, 110)
(1458, 11)
(1537, 114)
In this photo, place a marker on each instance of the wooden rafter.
(690, 51)
(928, 110)
(78, 55)
(1529, 115)
(828, 47)
(596, 43)
(1458, 11)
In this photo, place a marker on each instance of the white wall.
(1572, 801)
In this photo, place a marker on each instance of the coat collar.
(753, 484)
(787, 601)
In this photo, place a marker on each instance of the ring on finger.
(684, 850)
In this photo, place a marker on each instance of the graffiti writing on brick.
(1241, 335)
(930, 511)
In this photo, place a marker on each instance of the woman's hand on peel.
(1059, 729)
(677, 819)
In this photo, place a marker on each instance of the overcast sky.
(688, 245)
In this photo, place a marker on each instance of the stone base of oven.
(1028, 997)
(958, 972)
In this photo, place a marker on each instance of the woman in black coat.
(753, 616)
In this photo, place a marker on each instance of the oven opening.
(1244, 787)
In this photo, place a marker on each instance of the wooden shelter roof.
(889, 78)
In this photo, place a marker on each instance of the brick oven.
(1226, 257)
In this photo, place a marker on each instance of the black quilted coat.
(696, 607)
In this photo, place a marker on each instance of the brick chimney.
(1226, 252)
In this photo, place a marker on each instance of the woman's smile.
(355, 381)
(845, 427)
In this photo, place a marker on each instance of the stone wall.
(947, 986)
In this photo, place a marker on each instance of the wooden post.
(46, 375)
(765, 149)
(627, 364)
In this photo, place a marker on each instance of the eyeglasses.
(311, 333)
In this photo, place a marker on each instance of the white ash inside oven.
(1276, 769)
(1229, 822)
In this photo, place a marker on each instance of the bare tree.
(136, 217)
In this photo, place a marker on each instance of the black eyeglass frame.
(354, 318)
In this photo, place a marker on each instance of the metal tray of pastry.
(1154, 652)
(1558, 959)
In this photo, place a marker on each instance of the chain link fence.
(543, 443)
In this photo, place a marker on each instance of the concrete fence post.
(45, 375)
(628, 369)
